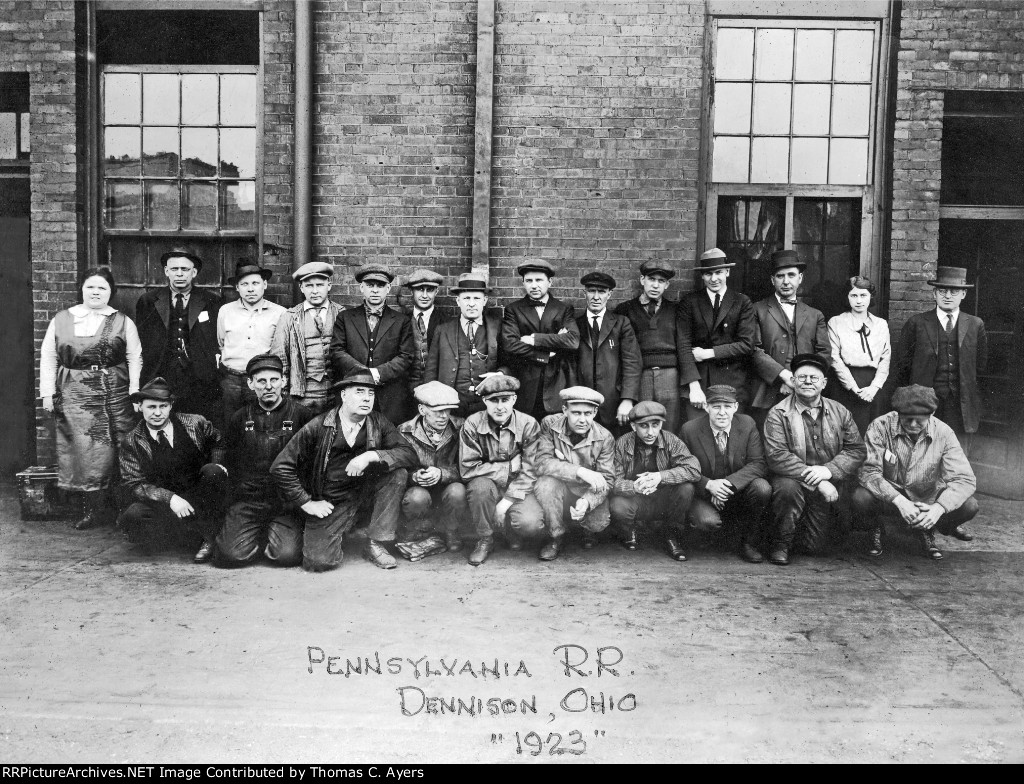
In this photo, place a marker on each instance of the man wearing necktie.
(423, 284)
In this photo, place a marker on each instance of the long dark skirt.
(862, 412)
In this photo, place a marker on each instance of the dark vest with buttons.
(947, 370)
(720, 470)
(371, 339)
(177, 332)
(175, 468)
(471, 362)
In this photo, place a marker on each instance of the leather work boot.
(629, 540)
(928, 542)
(481, 551)
(378, 555)
(779, 556)
(675, 549)
(962, 534)
(549, 551)
(876, 542)
(513, 539)
(750, 554)
(205, 553)
(452, 541)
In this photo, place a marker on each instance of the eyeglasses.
(809, 379)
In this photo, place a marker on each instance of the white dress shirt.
(167, 430)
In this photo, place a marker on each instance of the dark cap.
(245, 267)
(657, 268)
(263, 362)
(800, 360)
(374, 272)
(356, 378)
(157, 389)
(648, 409)
(783, 259)
(598, 280)
(536, 265)
(915, 399)
(722, 393)
(179, 251)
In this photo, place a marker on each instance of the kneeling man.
(575, 469)
(916, 470)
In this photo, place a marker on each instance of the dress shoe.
(550, 551)
(876, 542)
(481, 551)
(779, 556)
(513, 539)
(453, 542)
(204, 554)
(589, 540)
(930, 550)
(958, 533)
(629, 541)
(378, 555)
(91, 520)
(750, 554)
(675, 550)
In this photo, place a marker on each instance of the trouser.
(253, 518)
(235, 392)
(951, 412)
(526, 517)
(555, 499)
(418, 502)
(662, 386)
(801, 515)
(670, 503)
(745, 507)
(191, 394)
(318, 404)
(868, 512)
(155, 526)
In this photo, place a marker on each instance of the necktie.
(595, 334)
(420, 325)
(179, 303)
(471, 329)
(652, 308)
(161, 437)
(716, 308)
(949, 324)
(318, 319)
(721, 441)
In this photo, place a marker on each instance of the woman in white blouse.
(861, 354)
(90, 361)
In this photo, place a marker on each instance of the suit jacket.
(731, 335)
(919, 358)
(152, 319)
(392, 356)
(417, 373)
(533, 365)
(618, 363)
(136, 456)
(744, 451)
(773, 350)
(443, 359)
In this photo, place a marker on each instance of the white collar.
(465, 321)
(715, 431)
(307, 306)
(784, 304)
(944, 316)
(711, 294)
(263, 304)
(598, 316)
(425, 313)
(165, 429)
(82, 311)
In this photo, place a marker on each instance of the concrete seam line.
(52, 574)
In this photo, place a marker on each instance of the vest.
(422, 346)
(177, 333)
(947, 371)
(175, 468)
(371, 337)
(317, 346)
(720, 469)
(471, 362)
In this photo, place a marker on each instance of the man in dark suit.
(178, 330)
(946, 349)
(785, 328)
(423, 284)
(609, 356)
(733, 470)
(719, 324)
(539, 338)
(379, 339)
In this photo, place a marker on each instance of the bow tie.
(374, 312)
(788, 301)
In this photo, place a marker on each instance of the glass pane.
(199, 152)
(235, 251)
(769, 160)
(771, 108)
(239, 204)
(25, 137)
(8, 135)
(774, 58)
(848, 162)
(199, 99)
(161, 205)
(121, 152)
(122, 99)
(810, 109)
(732, 108)
(731, 160)
(810, 161)
(735, 55)
(813, 55)
(160, 152)
(122, 205)
(853, 55)
(808, 221)
(160, 99)
(238, 99)
(200, 205)
(839, 221)
(982, 160)
(749, 231)
(851, 110)
(238, 152)
(128, 260)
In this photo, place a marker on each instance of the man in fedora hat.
(423, 284)
(172, 465)
(245, 328)
(785, 327)
(946, 349)
(178, 330)
(378, 339)
(719, 325)
(257, 518)
(465, 351)
(302, 339)
(540, 338)
(346, 461)
(609, 357)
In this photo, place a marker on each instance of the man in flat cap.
(257, 518)
(436, 486)
(609, 357)
(466, 350)
(719, 325)
(915, 471)
(669, 374)
(733, 471)
(655, 479)
(785, 327)
(302, 340)
(245, 328)
(497, 452)
(178, 330)
(813, 448)
(378, 339)
(575, 467)
(540, 338)
(344, 462)
(172, 465)
(423, 284)
(946, 349)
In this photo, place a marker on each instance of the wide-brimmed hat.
(471, 281)
(357, 378)
(245, 267)
(713, 259)
(157, 389)
(182, 250)
(951, 278)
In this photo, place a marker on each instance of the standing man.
(609, 357)
(349, 460)
(302, 340)
(719, 325)
(178, 330)
(785, 327)
(946, 350)
(575, 470)
(245, 328)
(669, 374)
(540, 339)
(423, 284)
(732, 471)
(813, 447)
(465, 351)
(378, 339)
(255, 435)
